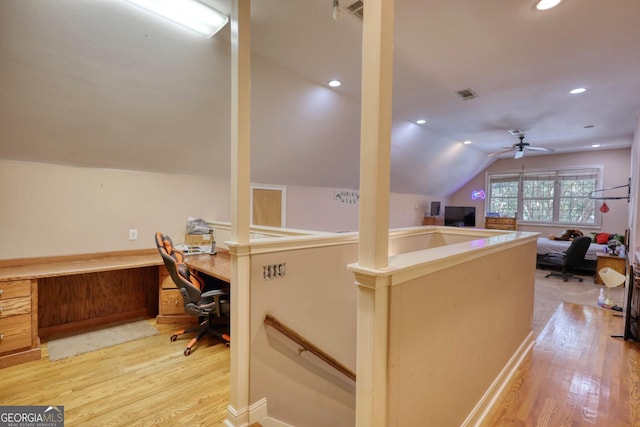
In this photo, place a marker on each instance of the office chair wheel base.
(173, 338)
(187, 351)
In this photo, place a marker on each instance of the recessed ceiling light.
(547, 4)
(467, 142)
(421, 121)
(577, 90)
(596, 145)
(335, 83)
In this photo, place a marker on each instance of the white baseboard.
(258, 413)
(479, 413)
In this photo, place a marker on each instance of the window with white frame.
(552, 197)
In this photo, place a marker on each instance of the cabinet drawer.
(15, 333)
(171, 302)
(166, 282)
(16, 288)
(501, 220)
(15, 306)
(500, 223)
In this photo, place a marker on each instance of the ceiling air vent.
(467, 94)
(356, 8)
(516, 132)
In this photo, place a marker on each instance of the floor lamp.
(611, 279)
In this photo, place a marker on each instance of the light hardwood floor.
(147, 382)
(577, 375)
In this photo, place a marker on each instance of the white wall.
(50, 210)
(316, 208)
(616, 166)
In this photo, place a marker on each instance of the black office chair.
(211, 307)
(569, 260)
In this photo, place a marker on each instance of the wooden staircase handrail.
(308, 346)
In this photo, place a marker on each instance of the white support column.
(372, 345)
(240, 119)
(238, 410)
(375, 140)
(375, 165)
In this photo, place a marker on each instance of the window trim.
(557, 172)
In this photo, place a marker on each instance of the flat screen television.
(460, 216)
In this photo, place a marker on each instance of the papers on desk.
(194, 250)
(197, 226)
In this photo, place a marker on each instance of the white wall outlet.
(133, 234)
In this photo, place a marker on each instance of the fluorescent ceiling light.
(547, 4)
(335, 83)
(188, 13)
(421, 121)
(577, 90)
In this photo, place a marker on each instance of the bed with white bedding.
(548, 246)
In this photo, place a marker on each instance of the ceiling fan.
(520, 147)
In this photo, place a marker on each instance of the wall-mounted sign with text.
(346, 196)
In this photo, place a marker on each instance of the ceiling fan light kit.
(520, 147)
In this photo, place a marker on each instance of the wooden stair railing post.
(308, 346)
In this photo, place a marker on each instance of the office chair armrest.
(214, 293)
(206, 308)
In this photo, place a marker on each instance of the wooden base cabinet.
(616, 263)
(433, 220)
(19, 340)
(500, 223)
(171, 304)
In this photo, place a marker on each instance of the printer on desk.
(200, 238)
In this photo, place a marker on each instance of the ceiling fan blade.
(548, 150)
(497, 153)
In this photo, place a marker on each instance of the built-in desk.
(40, 297)
(218, 265)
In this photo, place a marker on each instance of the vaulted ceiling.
(103, 84)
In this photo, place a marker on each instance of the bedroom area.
(604, 220)
(603, 175)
